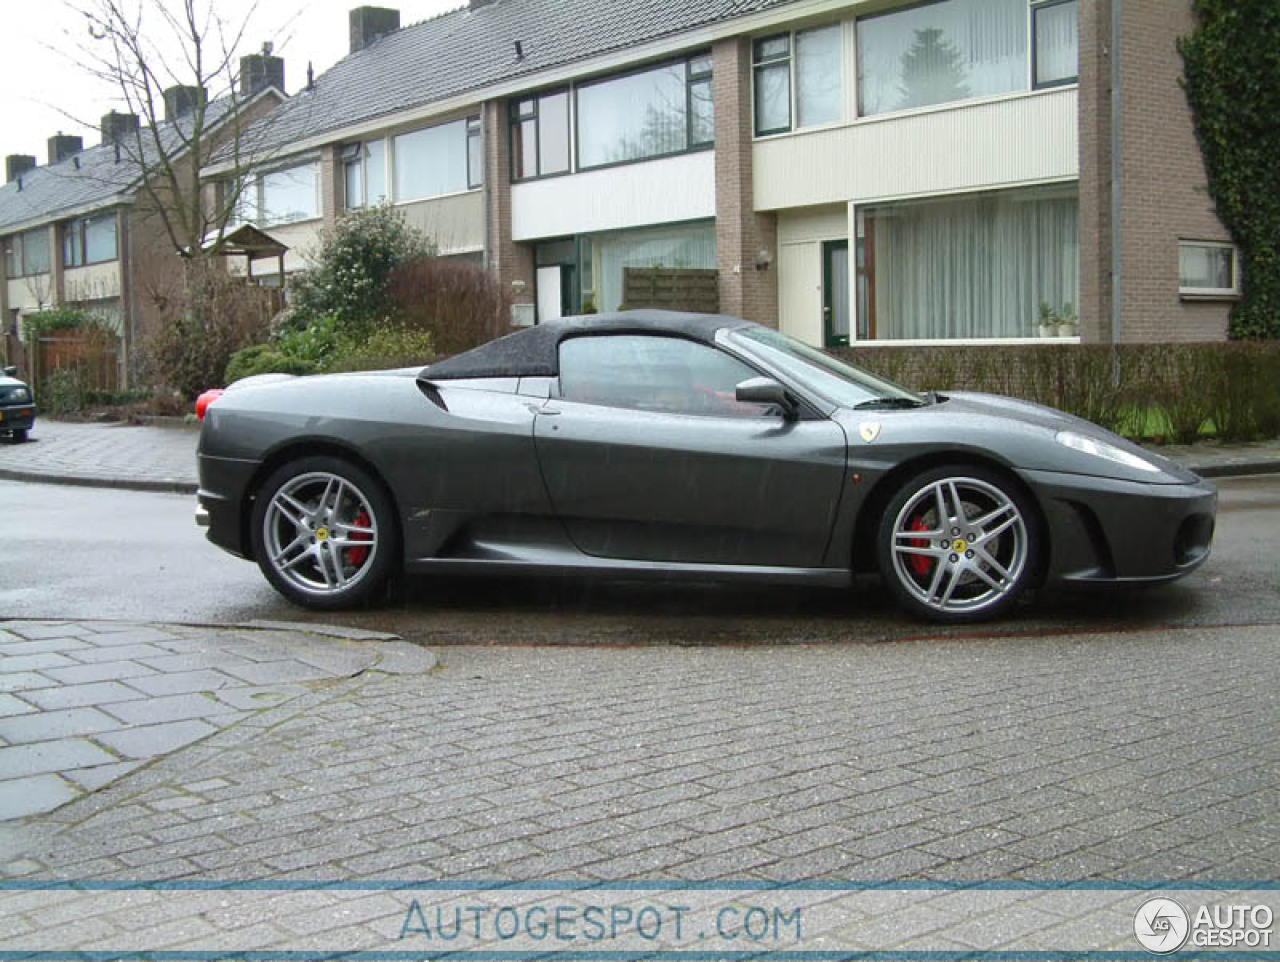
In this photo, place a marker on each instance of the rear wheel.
(20, 435)
(957, 544)
(324, 533)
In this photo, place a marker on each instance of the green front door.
(835, 293)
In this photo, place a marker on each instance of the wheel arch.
(878, 498)
(294, 450)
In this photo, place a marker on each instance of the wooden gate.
(90, 354)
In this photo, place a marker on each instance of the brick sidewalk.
(1125, 756)
(116, 455)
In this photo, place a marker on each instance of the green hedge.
(1168, 392)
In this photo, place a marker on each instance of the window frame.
(356, 155)
(1233, 292)
(575, 118)
(749, 365)
(258, 198)
(515, 119)
(757, 64)
(393, 192)
(1035, 6)
(18, 246)
(475, 141)
(77, 231)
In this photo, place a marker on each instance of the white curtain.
(974, 268)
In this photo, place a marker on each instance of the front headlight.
(1101, 449)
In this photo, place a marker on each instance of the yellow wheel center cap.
(960, 545)
(322, 534)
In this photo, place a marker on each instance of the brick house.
(82, 231)
(850, 170)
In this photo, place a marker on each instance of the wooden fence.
(90, 355)
(671, 288)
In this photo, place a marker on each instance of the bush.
(217, 315)
(264, 359)
(347, 274)
(387, 347)
(460, 305)
(1169, 392)
(61, 392)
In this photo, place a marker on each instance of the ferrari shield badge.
(870, 430)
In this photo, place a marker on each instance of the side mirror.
(765, 390)
(9, 371)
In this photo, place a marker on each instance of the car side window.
(669, 375)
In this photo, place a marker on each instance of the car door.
(647, 455)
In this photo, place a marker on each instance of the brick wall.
(741, 233)
(511, 262)
(1163, 191)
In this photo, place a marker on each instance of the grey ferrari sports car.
(662, 445)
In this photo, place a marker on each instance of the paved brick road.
(1144, 755)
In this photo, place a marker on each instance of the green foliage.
(63, 319)
(314, 344)
(264, 359)
(1168, 392)
(348, 272)
(1232, 68)
(61, 392)
(387, 347)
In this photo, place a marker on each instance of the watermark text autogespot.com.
(570, 923)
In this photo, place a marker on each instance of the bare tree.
(144, 48)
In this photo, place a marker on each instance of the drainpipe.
(1116, 321)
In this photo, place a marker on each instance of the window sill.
(965, 342)
(1228, 297)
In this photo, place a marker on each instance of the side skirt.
(584, 566)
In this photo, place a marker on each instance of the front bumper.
(1106, 531)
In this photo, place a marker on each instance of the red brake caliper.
(357, 556)
(920, 564)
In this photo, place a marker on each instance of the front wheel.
(324, 533)
(957, 544)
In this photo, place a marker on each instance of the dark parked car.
(17, 406)
(656, 444)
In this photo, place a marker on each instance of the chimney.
(181, 100)
(15, 165)
(370, 23)
(62, 146)
(116, 126)
(258, 71)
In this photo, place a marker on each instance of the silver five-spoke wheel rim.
(320, 533)
(959, 545)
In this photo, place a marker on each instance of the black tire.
(975, 564)
(325, 533)
(18, 435)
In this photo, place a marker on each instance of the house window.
(1208, 269)
(475, 154)
(433, 161)
(89, 240)
(625, 265)
(365, 173)
(28, 253)
(651, 113)
(967, 267)
(286, 196)
(1056, 51)
(955, 50)
(807, 62)
(540, 136)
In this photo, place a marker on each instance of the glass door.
(835, 293)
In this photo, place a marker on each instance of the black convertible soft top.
(534, 351)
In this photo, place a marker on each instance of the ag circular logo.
(1161, 925)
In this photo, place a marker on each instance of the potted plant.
(1048, 321)
(1068, 323)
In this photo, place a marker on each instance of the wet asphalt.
(96, 553)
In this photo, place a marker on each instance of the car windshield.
(839, 383)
